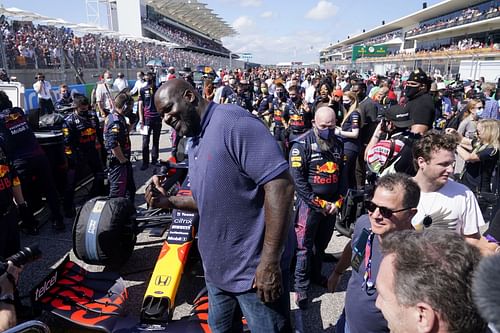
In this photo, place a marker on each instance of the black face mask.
(411, 92)
(281, 94)
(347, 106)
(294, 99)
(82, 113)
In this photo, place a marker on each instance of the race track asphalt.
(320, 316)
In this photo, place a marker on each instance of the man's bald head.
(324, 115)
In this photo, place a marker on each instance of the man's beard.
(191, 123)
(324, 145)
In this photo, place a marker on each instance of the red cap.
(338, 93)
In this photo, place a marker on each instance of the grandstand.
(179, 33)
(440, 39)
(190, 24)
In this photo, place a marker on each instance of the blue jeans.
(225, 310)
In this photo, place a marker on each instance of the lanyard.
(367, 277)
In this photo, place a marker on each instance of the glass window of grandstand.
(483, 11)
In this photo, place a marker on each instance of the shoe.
(301, 299)
(31, 230)
(58, 225)
(321, 281)
(155, 163)
(144, 167)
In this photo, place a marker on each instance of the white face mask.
(108, 80)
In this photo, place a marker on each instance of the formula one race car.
(96, 300)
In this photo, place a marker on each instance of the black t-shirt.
(421, 110)
(368, 112)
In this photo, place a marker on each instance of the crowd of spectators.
(468, 15)
(383, 38)
(184, 38)
(39, 46)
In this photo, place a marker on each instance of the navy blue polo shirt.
(229, 162)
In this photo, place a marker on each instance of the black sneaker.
(144, 167)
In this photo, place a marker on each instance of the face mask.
(66, 94)
(480, 112)
(410, 92)
(347, 105)
(264, 90)
(255, 89)
(280, 94)
(83, 112)
(109, 81)
(232, 81)
(294, 99)
(324, 133)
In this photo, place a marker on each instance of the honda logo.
(163, 280)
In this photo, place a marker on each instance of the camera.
(383, 125)
(25, 255)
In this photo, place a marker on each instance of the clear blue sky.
(271, 30)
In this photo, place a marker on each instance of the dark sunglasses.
(384, 211)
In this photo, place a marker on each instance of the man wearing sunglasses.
(390, 210)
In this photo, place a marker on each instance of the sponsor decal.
(296, 164)
(49, 282)
(295, 152)
(328, 167)
(296, 159)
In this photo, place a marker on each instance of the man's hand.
(268, 282)
(155, 195)
(331, 208)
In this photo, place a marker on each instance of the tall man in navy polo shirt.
(243, 193)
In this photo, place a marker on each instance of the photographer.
(9, 274)
(390, 147)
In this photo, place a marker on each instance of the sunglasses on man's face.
(384, 211)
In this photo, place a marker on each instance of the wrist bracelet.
(497, 250)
